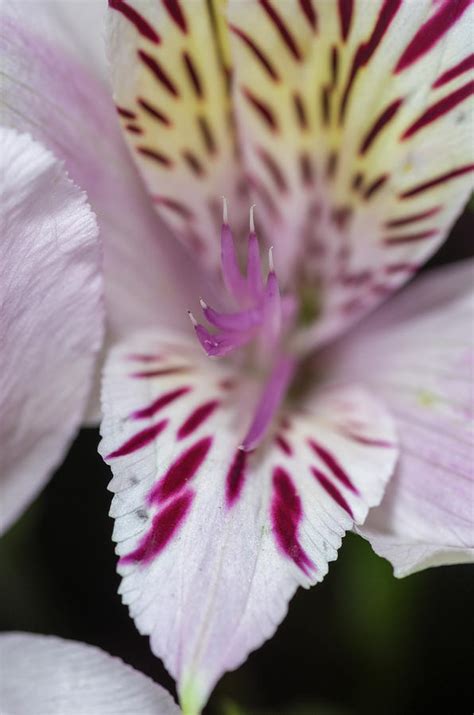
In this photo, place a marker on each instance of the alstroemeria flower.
(235, 478)
(53, 676)
(51, 316)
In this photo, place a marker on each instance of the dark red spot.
(300, 111)
(365, 51)
(125, 113)
(159, 403)
(262, 109)
(235, 477)
(368, 442)
(412, 218)
(439, 109)
(207, 135)
(197, 418)
(139, 440)
(331, 165)
(161, 372)
(345, 8)
(464, 66)
(158, 71)
(133, 129)
(257, 52)
(375, 186)
(409, 238)
(273, 169)
(143, 27)
(431, 32)
(332, 490)
(357, 181)
(164, 526)
(155, 155)
(283, 30)
(193, 162)
(286, 514)
(193, 75)
(154, 112)
(442, 179)
(180, 472)
(284, 445)
(331, 462)
(383, 119)
(175, 206)
(310, 13)
(306, 169)
(174, 9)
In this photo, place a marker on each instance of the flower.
(54, 676)
(235, 478)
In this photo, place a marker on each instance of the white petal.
(46, 675)
(51, 319)
(214, 541)
(417, 354)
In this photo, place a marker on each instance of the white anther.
(225, 215)
(270, 260)
(192, 318)
(252, 222)
(203, 303)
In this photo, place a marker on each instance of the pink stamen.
(254, 270)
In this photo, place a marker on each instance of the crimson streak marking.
(443, 178)
(161, 372)
(459, 69)
(412, 218)
(330, 461)
(196, 418)
(383, 119)
(155, 156)
(375, 186)
(235, 477)
(332, 490)
(286, 514)
(410, 238)
(154, 112)
(126, 113)
(282, 28)
(437, 110)
(258, 53)
(284, 445)
(310, 12)
(157, 405)
(366, 50)
(431, 32)
(345, 8)
(262, 108)
(368, 441)
(176, 14)
(164, 526)
(180, 472)
(139, 440)
(143, 27)
(158, 72)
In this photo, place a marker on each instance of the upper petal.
(53, 97)
(52, 676)
(51, 318)
(418, 354)
(170, 71)
(356, 132)
(213, 541)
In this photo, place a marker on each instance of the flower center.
(262, 318)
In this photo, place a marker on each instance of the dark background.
(360, 642)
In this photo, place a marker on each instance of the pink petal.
(418, 355)
(45, 674)
(51, 320)
(358, 156)
(213, 541)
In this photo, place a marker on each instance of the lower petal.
(213, 541)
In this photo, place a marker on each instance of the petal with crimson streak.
(53, 676)
(360, 157)
(213, 541)
(417, 353)
(51, 319)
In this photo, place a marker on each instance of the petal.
(213, 541)
(417, 354)
(48, 94)
(177, 113)
(54, 676)
(51, 319)
(355, 125)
